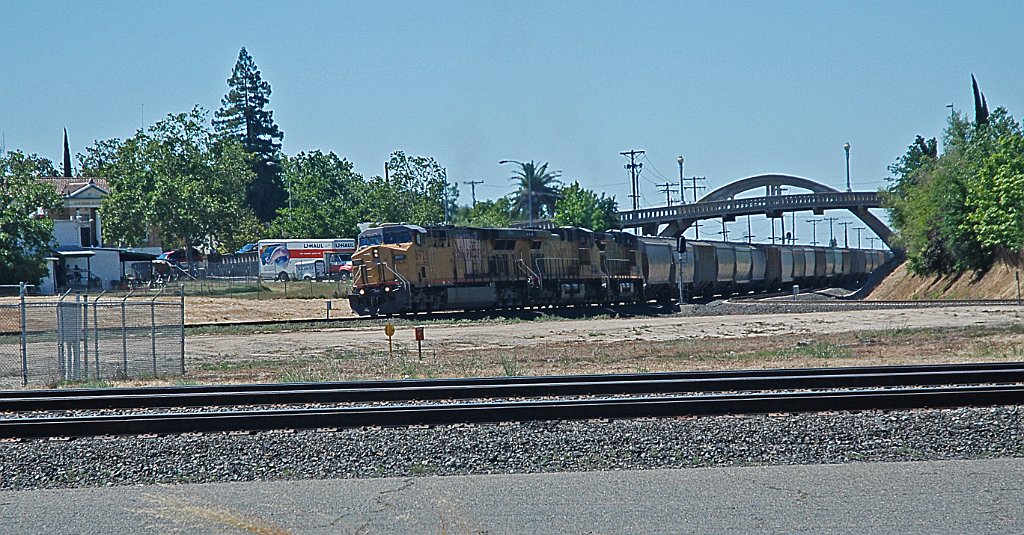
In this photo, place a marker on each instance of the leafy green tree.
(324, 197)
(414, 192)
(24, 236)
(243, 116)
(996, 198)
(486, 213)
(96, 156)
(953, 212)
(579, 207)
(181, 179)
(537, 181)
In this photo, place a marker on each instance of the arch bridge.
(721, 203)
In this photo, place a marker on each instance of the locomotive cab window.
(397, 236)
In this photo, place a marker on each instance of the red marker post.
(419, 340)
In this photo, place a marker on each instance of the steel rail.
(514, 387)
(393, 416)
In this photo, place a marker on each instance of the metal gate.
(78, 337)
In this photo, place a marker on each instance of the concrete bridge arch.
(732, 189)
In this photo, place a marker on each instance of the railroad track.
(562, 398)
(575, 312)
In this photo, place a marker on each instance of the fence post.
(152, 329)
(61, 354)
(124, 334)
(84, 332)
(152, 325)
(24, 339)
(96, 332)
(75, 351)
(182, 329)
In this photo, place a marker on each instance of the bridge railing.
(702, 210)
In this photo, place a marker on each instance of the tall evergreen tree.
(243, 115)
(67, 156)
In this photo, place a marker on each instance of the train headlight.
(362, 291)
(387, 288)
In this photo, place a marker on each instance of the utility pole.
(858, 229)
(782, 217)
(696, 229)
(873, 239)
(725, 231)
(695, 187)
(749, 236)
(814, 230)
(634, 175)
(792, 237)
(831, 237)
(444, 176)
(666, 188)
(846, 233)
(472, 187)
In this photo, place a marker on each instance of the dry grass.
(883, 347)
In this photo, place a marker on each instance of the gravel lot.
(522, 448)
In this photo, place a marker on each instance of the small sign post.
(328, 310)
(419, 340)
(389, 329)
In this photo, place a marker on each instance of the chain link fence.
(78, 337)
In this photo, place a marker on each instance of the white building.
(80, 261)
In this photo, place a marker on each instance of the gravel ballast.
(946, 434)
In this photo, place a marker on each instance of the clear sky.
(737, 88)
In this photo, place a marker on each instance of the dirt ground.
(609, 345)
(1002, 281)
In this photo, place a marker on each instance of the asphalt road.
(981, 496)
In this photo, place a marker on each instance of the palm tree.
(537, 181)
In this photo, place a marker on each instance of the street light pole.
(682, 188)
(846, 147)
(529, 189)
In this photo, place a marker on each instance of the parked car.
(178, 256)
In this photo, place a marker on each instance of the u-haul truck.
(279, 259)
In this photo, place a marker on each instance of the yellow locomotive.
(406, 268)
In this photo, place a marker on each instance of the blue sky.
(737, 88)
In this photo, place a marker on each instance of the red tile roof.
(67, 186)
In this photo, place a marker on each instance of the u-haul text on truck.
(305, 259)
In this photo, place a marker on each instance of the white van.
(310, 270)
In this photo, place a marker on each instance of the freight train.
(399, 268)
